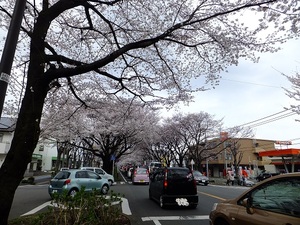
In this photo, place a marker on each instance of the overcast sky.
(252, 91)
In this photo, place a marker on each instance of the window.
(99, 171)
(41, 148)
(281, 196)
(92, 175)
(1, 137)
(81, 174)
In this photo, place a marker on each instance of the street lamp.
(10, 48)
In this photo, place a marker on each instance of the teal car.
(72, 181)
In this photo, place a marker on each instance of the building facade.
(44, 155)
(250, 160)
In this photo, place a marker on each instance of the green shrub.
(83, 209)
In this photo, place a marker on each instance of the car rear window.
(62, 175)
(141, 171)
(179, 174)
(156, 165)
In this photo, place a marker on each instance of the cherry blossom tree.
(152, 51)
(109, 129)
(199, 130)
(294, 92)
(233, 144)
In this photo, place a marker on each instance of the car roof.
(174, 168)
(89, 167)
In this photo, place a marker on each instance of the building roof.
(7, 124)
(281, 152)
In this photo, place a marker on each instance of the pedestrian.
(227, 178)
(243, 180)
(231, 178)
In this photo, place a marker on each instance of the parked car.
(200, 178)
(248, 183)
(102, 173)
(274, 201)
(140, 175)
(265, 175)
(73, 180)
(173, 186)
(153, 166)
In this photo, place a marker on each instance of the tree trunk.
(25, 139)
(107, 164)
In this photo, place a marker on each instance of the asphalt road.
(147, 212)
(140, 209)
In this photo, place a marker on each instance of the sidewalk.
(39, 177)
(223, 181)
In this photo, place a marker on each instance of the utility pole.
(10, 48)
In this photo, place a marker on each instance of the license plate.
(54, 191)
(142, 181)
(203, 181)
(182, 202)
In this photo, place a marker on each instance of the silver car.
(200, 178)
(72, 181)
(102, 173)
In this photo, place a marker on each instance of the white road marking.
(35, 210)
(156, 219)
(125, 207)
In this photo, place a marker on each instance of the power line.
(264, 117)
(270, 118)
(273, 119)
(247, 82)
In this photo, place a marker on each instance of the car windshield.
(197, 173)
(62, 175)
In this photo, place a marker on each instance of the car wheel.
(105, 189)
(73, 192)
(161, 202)
(110, 182)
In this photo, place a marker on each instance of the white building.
(44, 155)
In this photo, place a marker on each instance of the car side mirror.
(247, 202)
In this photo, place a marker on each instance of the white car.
(102, 173)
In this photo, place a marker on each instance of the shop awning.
(291, 153)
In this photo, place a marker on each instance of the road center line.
(213, 196)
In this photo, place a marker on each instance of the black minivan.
(173, 186)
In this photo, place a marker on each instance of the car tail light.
(195, 185)
(68, 181)
(166, 179)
